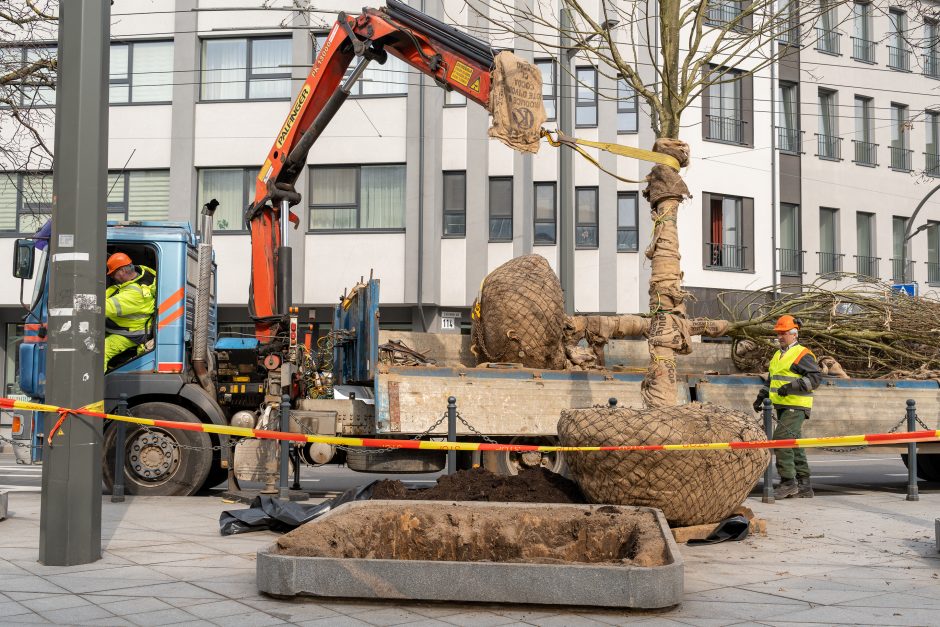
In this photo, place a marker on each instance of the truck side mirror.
(24, 256)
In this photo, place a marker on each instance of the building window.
(234, 188)
(866, 262)
(791, 257)
(829, 144)
(788, 133)
(899, 58)
(549, 81)
(900, 153)
(933, 253)
(586, 101)
(357, 197)
(501, 209)
(933, 144)
(141, 71)
(931, 47)
(585, 228)
(866, 150)
(830, 261)
(35, 89)
(26, 199)
(627, 221)
(863, 48)
(901, 264)
(453, 98)
(626, 107)
(455, 204)
(246, 69)
(725, 243)
(827, 35)
(724, 120)
(544, 213)
(723, 12)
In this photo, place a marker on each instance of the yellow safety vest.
(781, 372)
(129, 307)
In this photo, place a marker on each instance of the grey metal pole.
(117, 490)
(283, 491)
(565, 166)
(912, 494)
(768, 495)
(70, 518)
(451, 434)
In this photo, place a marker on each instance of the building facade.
(809, 167)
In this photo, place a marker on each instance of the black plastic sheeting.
(268, 513)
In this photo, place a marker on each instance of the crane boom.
(455, 60)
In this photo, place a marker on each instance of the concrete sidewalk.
(866, 558)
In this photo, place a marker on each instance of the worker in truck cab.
(793, 375)
(129, 305)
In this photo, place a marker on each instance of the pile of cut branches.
(872, 330)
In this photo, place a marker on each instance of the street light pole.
(70, 515)
(565, 162)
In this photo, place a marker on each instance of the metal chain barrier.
(19, 443)
(473, 429)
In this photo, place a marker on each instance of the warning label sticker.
(476, 85)
(461, 73)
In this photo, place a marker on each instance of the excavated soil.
(531, 485)
(483, 533)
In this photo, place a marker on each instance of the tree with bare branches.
(670, 52)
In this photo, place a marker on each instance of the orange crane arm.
(454, 59)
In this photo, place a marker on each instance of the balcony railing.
(721, 12)
(725, 129)
(933, 272)
(863, 50)
(791, 261)
(789, 33)
(866, 153)
(902, 270)
(827, 41)
(932, 64)
(899, 59)
(932, 164)
(829, 147)
(867, 266)
(790, 140)
(901, 158)
(724, 256)
(830, 263)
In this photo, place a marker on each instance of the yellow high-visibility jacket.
(129, 306)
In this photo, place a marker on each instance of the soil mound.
(484, 533)
(531, 485)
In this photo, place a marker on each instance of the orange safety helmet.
(786, 323)
(118, 260)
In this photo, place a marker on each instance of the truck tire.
(510, 463)
(396, 460)
(159, 462)
(928, 465)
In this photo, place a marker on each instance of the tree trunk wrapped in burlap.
(690, 487)
(521, 316)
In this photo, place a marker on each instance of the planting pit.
(613, 556)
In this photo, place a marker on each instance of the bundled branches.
(872, 330)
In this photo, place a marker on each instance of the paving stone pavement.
(858, 558)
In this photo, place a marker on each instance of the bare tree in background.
(670, 52)
(28, 31)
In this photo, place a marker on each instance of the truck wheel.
(928, 466)
(157, 461)
(511, 462)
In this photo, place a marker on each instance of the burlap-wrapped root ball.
(690, 487)
(521, 315)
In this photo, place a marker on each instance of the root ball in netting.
(690, 487)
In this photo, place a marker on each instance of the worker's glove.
(759, 403)
(785, 389)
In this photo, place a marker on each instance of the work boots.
(805, 488)
(786, 488)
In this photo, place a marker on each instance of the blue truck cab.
(156, 379)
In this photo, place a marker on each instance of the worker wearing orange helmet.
(794, 374)
(129, 305)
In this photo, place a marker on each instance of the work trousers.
(791, 462)
(115, 345)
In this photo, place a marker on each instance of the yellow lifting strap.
(617, 149)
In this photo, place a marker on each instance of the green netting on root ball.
(690, 487)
